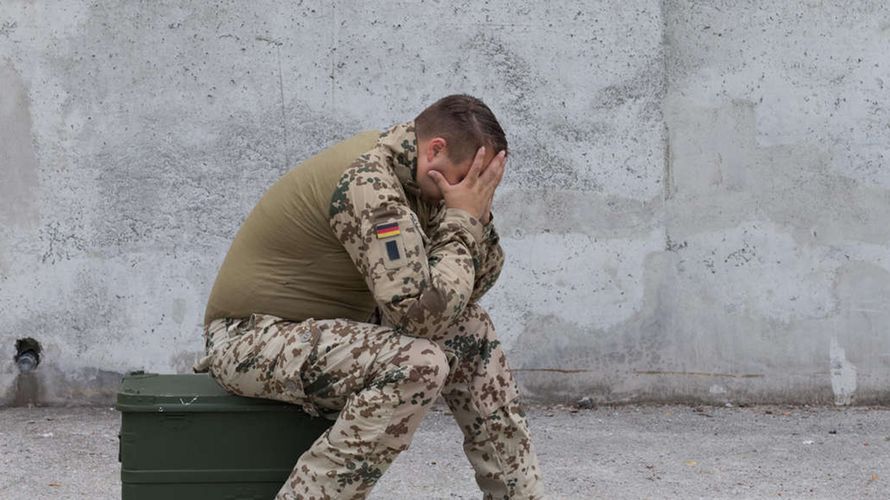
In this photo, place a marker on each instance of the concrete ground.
(632, 452)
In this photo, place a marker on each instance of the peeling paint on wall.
(843, 375)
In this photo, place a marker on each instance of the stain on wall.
(18, 177)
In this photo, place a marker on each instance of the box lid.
(159, 393)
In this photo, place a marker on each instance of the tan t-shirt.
(348, 230)
(285, 260)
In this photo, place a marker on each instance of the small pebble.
(584, 403)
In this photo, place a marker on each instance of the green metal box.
(185, 437)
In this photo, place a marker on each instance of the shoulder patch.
(387, 230)
(392, 250)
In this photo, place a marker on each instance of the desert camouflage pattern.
(426, 266)
(450, 258)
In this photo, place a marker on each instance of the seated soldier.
(352, 290)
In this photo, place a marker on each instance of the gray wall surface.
(697, 206)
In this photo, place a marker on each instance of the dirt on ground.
(632, 452)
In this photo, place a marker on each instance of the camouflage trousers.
(379, 384)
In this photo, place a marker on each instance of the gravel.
(633, 452)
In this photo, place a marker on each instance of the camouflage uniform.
(426, 266)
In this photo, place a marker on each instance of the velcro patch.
(392, 250)
(387, 230)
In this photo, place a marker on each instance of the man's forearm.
(489, 262)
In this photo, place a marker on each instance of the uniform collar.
(400, 143)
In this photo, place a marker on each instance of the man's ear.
(437, 146)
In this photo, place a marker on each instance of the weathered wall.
(697, 205)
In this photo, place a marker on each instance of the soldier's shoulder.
(368, 173)
(371, 169)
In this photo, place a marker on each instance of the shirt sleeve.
(489, 263)
(419, 291)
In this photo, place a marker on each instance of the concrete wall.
(697, 206)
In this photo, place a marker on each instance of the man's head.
(448, 135)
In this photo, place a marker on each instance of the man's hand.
(475, 192)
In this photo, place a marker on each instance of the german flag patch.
(387, 230)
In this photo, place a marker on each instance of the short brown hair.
(465, 122)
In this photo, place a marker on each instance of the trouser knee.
(476, 321)
(480, 380)
(473, 338)
(420, 363)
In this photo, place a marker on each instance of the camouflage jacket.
(422, 262)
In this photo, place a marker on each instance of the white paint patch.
(180, 308)
(575, 277)
(843, 375)
(717, 389)
(758, 268)
(832, 97)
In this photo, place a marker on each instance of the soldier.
(352, 290)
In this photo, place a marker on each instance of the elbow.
(429, 315)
